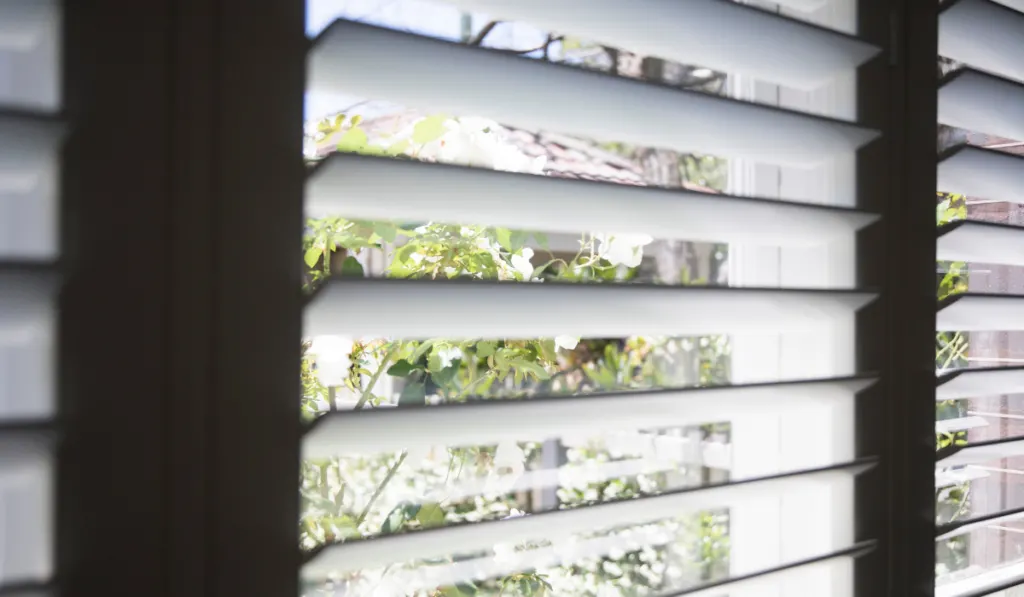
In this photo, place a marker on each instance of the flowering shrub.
(361, 495)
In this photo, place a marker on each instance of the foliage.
(952, 502)
(366, 495)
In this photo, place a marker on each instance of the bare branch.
(479, 39)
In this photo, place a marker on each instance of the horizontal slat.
(964, 526)
(981, 242)
(26, 540)
(960, 424)
(475, 309)
(981, 313)
(984, 34)
(24, 24)
(984, 103)
(969, 383)
(29, 147)
(1017, 5)
(373, 188)
(980, 453)
(492, 421)
(945, 478)
(27, 322)
(466, 571)
(472, 538)
(430, 74)
(716, 34)
(27, 590)
(986, 584)
(982, 174)
(818, 577)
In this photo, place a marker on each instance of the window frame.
(215, 197)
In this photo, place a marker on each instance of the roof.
(567, 157)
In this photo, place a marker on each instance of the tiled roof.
(567, 157)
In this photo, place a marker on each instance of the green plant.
(365, 495)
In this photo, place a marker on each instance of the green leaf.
(518, 239)
(356, 120)
(413, 394)
(354, 140)
(434, 363)
(429, 129)
(542, 239)
(486, 348)
(398, 148)
(430, 515)
(386, 231)
(421, 350)
(401, 369)
(395, 520)
(338, 120)
(351, 268)
(530, 367)
(504, 236)
(312, 256)
(403, 254)
(445, 376)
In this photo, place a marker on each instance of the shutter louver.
(985, 97)
(462, 80)
(30, 136)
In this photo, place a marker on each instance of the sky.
(433, 18)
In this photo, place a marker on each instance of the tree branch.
(479, 39)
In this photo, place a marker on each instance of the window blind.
(816, 485)
(983, 96)
(30, 136)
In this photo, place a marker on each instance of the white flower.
(522, 264)
(566, 342)
(448, 355)
(606, 590)
(480, 143)
(332, 359)
(509, 455)
(509, 465)
(622, 249)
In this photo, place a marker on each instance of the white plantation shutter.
(30, 136)
(985, 95)
(792, 507)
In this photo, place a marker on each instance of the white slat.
(25, 509)
(724, 36)
(945, 478)
(1017, 5)
(983, 103)
(980, 454)
(373, 188)
(980, 524)
(423, 309)
(30, 58)
(25, 24)
(981, 242)
(468, 539)
(983, 174)
(27, 323)
(534, 420)
(982, 382)
(982, 313)
(960, 424)
(29, 147)
(429, 74)
(820, 578)
(985, 584)
(983, 34)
